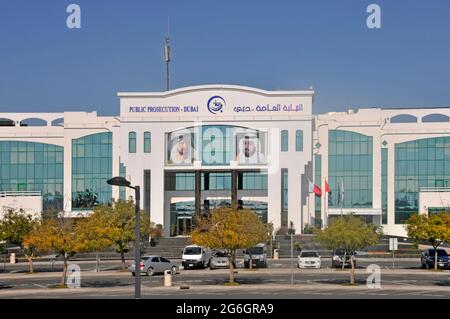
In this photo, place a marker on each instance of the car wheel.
(174, 270)
(150, 271)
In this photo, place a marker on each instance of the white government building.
(197, 148)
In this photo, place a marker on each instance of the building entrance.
(184, 225)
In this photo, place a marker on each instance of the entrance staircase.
(170, 247)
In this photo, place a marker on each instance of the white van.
(258, 255)
(195, 256)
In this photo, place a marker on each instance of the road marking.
(40, 286)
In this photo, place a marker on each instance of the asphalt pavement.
(277, 281)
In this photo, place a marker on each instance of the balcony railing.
(19, 193)
(434, 189)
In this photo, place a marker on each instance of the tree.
(95, 234)
(14, 227)
(350, 233)
(433, 228)
(116, 224)
(229, 229)
(57, 234)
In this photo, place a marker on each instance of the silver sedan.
(151, 265)
(220, 260)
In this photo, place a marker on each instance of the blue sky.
(45, 67)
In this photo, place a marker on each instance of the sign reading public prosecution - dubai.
(218, 109)
(215, 103)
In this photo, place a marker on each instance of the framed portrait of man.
(180, 149)
(250, 148)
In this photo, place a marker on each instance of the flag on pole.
(310, 186)
(313, 188)
(317, 190)
(328, 190)
(341, 191)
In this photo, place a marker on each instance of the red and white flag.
(313, 188)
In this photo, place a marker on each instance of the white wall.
(29, 204)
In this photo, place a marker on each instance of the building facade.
(189, 149)
(197, 148)
(383, 164)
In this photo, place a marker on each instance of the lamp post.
(121, 181)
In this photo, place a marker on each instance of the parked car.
(338, 257)
(258, 254)
(195, 256)
(427, 258)
(151, 265)
(309, 259)
(220, 260)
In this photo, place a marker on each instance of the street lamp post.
(121, 181)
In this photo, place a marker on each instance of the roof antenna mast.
(167, 55)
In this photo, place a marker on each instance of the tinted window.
(309, 254)
(440, 252)
(255, 251)
(164, 260)
(155, 260)
(220, 254)
(192, 251)
(340, 252)
(145, 258)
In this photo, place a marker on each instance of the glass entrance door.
(184, 225)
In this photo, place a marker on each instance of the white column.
(391, 184)
(274, 199)
(294, 197)
(67, 205)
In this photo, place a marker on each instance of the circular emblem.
(216, 104)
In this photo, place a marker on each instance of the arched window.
(132, 142)
(404, 118)
(58, 122)
(147, 142)
(34, 121)
(435, 118)
(284, 140)
(299, 141)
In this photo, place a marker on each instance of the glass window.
(422, 165)
(253, 181)
(91, 167)
(284, 197)
(299, 141)
(132, 142)
(29, 166)
(350, 163)
(147, 142)
(284, 141)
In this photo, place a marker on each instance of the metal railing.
(19, 193)
(435, 189)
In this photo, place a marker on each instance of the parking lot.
(407, 280)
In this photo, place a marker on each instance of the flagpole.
(326, 203)
(342, 199)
